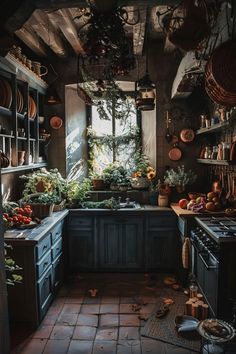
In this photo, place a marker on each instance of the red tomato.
(26, 221)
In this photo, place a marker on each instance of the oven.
(214, 262)
(205, 266)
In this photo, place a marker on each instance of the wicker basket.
(59, 207)
(39, 210)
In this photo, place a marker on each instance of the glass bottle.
(226, 151)
(193, 289)
(214, 152)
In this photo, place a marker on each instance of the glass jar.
(207, 153)
(193, 289)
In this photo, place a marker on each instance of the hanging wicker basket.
(220, 73)
(189, 25)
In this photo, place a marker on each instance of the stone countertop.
(35, 234)
(143, 208)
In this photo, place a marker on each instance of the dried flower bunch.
(179, 177)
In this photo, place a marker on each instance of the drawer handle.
(57, 249)
(45, 264)
(47, 277)
(45, 247)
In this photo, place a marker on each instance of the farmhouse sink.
(130, 205)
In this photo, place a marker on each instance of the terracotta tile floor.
(79, 324)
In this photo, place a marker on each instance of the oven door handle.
(205, 263)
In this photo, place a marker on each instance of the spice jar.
(220, 152)
(208, 122)
(203, 120)
(207, 153)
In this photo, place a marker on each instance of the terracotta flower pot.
(98, 184)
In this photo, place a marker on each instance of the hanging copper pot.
(187, 135)
(175, 153)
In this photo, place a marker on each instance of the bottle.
(193, 289)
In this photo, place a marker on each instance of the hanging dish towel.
(186, 252)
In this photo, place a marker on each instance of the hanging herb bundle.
(111, 101)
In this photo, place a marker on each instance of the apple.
(210, 206)
(183, 203)
(190, 204)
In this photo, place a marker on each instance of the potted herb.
(180, 178)
(116, 175)
(77, 192)
(97, 180)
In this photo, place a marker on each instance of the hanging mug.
(36, 66)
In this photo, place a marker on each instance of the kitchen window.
(112, 140)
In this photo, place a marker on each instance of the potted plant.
(41, 203)
(115, 175)
(180, 178)
(97, 180)
(143, 173)
(77, 192)
(49, 182)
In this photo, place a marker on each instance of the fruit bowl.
(195, 195)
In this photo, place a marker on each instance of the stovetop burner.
(219, 228)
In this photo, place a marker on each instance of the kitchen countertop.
(33, 235)
(183, 212)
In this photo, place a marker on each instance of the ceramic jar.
(140, 183)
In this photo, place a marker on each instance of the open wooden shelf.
(23, 167)
(212, 129)
(7, 136)
(215, 162)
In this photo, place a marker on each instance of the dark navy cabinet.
(41, 257)
(120, 243)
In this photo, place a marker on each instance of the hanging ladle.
(168, 135)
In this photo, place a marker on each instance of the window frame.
(138, 122)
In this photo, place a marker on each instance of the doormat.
(163, 329)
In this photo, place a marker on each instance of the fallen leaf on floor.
(176, 286)
(169, 280)
(162, 311)
(93, 292)
(168, 301)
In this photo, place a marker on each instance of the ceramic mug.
(36, 67)
(21, 157)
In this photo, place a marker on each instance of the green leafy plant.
(114, 173)
(44, 199)
(11, 267)
(42, 181)
(77, 191)
(179, 177)
(111, 203)
(142, 167)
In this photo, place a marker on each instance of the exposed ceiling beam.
(44, 4)
(28, 36)
(139, 31)
(62, 18)
(45, 29)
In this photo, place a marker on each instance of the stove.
(222, 229)
(214, 261)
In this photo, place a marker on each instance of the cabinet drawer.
(165, 221)
(80, 222)
(56, 232)
(57, 272)
(45, 287)
(57, 249)
(44, 263)
(43, 247)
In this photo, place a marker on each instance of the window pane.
(123, 125)
(125, 154)
(100, 126)
(102, 157)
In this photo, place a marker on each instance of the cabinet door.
(109, 242)
(45, 290)
(132, 246)
(120, 243)
(81, 249)
(161, 248)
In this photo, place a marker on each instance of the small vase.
(140, 183)
(98, 184)
(163, 200)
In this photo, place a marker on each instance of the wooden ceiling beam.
(62, 18)
(53, 4)
(46, 30)
(27, 35)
